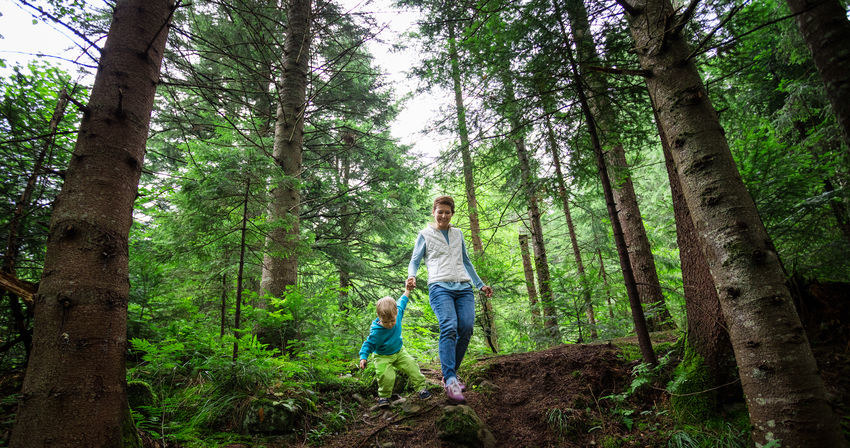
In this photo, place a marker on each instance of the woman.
(450, 279)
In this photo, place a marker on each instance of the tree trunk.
(541, 265)
(529, 279)
(223, 304)
(640, 253)
(631, 289)
(605, 283)
(838, 210)
(637, 243)
(488, 321)
(707, 333)
(74, 392)
(785, 395)
(280, 262)
(565, 202)
(826, 30)
(237, 314)
(345, 221)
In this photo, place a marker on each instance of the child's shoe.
(383, 402)
(424, 394)
(453, 391)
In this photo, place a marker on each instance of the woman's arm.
(416, 259)
(470, 270)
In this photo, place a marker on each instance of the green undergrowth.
(683, 412)
(202, 397)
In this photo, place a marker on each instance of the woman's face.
(443, 216)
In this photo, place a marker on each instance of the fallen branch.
(20, 288)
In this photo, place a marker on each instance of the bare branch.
(708, 36)
(70, 28)
(685, 17)
(621, 71)
(630, 10)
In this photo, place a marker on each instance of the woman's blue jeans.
(455, 312)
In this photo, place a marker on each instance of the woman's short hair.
(445, 200)
(386, 308)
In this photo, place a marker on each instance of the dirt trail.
(549, 398)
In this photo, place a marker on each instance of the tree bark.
(640, 252)
(631, 289)
(565, 202)
(826, 30)
(280, 261)
(74, 392)
(488, 321)
(785, 395)
(529, 279)
(706, 333)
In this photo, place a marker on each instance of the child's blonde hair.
(386, 308)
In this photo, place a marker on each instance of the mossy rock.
(140, 394)
(692, 400)
(461, 426)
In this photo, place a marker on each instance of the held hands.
(362, 363)
(410, 285)
(488, 291)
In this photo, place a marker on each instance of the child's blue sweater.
(385, 341)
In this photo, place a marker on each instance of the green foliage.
(714, 434)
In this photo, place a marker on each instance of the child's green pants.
(386, 365)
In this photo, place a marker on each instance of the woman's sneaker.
(383, 402)
(462, 386)
(424, 394)
(454, 392)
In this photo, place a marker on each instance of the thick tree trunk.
(640, 253)
(280, 263)
(631, 289)
(74, 393)
(785, 395)
(488, 321)
(565, 202)
(528, 270)
(707, 333)
(826, 30)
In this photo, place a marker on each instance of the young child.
(385, 341)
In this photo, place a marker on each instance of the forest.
(196, 230)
